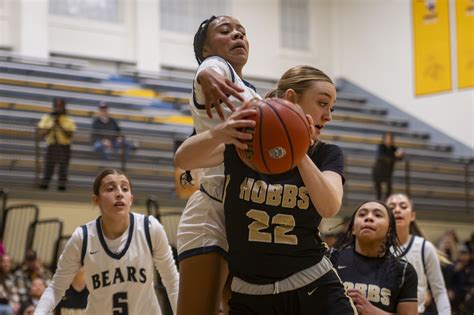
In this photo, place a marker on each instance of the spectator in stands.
(449, 244)
(27, 309)
(462, 281)
(31, 269)
(57, 128)
(107, 136)
(387, 155)
(9, 298)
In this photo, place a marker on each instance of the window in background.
(294, 23)
(184, 16)
(100, 10)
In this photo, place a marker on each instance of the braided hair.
(348, 239)
(200, 38)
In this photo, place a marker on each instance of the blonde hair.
(298, 78)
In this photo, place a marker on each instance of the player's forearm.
(200, 151)
(324, 190)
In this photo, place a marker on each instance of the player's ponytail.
(200, 38)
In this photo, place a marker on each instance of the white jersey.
(118, 273)
(422, 255)
(212, 179)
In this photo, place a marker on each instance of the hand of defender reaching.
(233, 129)
(217, 89)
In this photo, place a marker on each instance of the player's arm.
(436, 280)
(324, 188)
(407, 308)
(68, 266)
(207, 148)
(164, 262)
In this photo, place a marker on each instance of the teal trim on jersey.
(104, 244)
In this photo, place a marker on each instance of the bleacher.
(438, 178)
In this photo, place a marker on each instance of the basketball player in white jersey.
(119, 251)
(221, 48)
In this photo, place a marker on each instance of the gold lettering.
(303, 203)
(385, 296)
(259, 191)
(362, 287)
(373, 293)
(274, 193)
(246, 188)
(348, 285)
(289, 196)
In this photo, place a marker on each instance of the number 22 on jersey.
(284, 223)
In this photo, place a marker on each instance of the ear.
(290, 95)
(131, 200)
(95, 200)
(413, 216)
(205, 51)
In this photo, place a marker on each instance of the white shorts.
(201, 227)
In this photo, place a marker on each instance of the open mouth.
(119, 204)
(239, 45)
(319, 127)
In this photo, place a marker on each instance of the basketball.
(281, 137)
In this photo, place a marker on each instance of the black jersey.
(271, 223)
(384, 282)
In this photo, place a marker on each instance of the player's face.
(318, 101)
(227, 38)
(115, 195)
(402, 210)
(371, 223)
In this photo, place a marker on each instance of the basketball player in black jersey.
(276, 256)
(376, 280)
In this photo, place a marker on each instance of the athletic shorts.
(325, 296)
(201, 228)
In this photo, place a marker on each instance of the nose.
(236, 34)
(328, 116)
(368, 218)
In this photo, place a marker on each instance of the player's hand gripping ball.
(281, 138)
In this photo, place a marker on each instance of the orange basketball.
(281, 137)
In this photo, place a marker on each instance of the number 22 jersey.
(271, 223)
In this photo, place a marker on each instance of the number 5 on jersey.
(285, 223)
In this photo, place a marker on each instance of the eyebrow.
(230, 24)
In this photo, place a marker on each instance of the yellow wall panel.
(431, 46)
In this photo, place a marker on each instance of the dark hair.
(414, 228)
(348, 239)
(104, 173)
(200, 38)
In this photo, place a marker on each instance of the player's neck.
(371, 249)
(403, 235)
(113, 228)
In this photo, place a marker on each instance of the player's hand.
(312, 128)
(217, 89)
(235, 129)
(363, 306)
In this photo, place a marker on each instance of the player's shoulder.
(215, 62)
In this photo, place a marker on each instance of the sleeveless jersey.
(384, 282)
(119, 283)
(212, 179)
(271, 223)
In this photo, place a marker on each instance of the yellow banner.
(465, 42)
(432, 46)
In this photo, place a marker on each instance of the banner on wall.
(465, 42)
(432, 51)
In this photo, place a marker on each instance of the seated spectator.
(27, 309)
(448, 244)
(9, 298)
(462, 281)
(31, 269)
(57, 128)
(106, 135)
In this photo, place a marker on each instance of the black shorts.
(324, 296)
